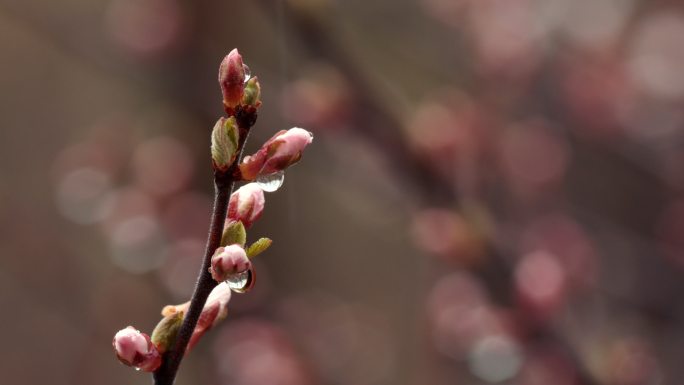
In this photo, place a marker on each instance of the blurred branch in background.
(373, 122)
(533, 153)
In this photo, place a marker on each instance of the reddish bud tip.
(232, 79)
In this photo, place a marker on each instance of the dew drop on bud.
(137, 369)
(242, 282)
(248, 74)
(271, 182)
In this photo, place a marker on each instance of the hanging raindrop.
(271, 182)
(242, 282)
(248, 74)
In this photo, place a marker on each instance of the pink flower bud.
(228, 261)
(246, 204)
(214, 311)
(232, 79)
(278, 153)
(135, 349)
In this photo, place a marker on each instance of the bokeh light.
(495, 193)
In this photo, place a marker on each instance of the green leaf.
(224, 143)
(166, 331)
(258, 247)
(252, 93)
(234, 233)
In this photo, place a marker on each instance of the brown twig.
(223, 187)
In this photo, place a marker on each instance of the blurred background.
(494, 194)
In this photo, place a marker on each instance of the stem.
(166, 373)
(223, 188)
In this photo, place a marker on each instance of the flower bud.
(278, 153)
(232, 79)
(224, 143)
(246, 204)
(135, 349)
(214, 311)
(252, 94)
(227, 261)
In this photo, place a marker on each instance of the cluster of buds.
(240, 90)
(241, 99)
(143, 352)
(230, 266)
(231, 262)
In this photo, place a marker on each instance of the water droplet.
(271, 182)
(248, 74)
(137, 369)
(242, 282)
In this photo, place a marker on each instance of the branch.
(223, 188)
